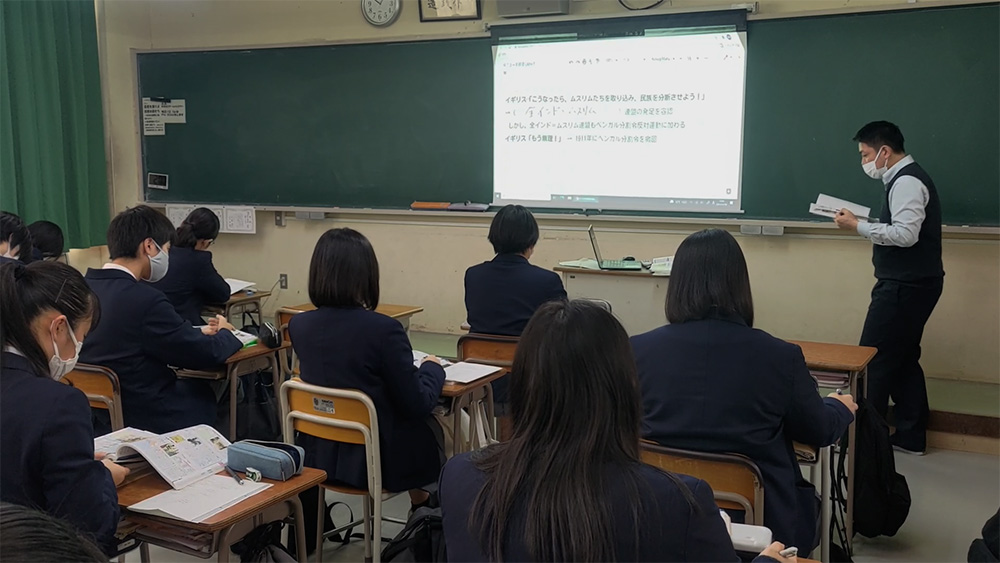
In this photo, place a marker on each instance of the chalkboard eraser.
(468, 206)
(430, 205)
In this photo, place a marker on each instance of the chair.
(735, 479)
(490, 350)
(349, 417)
(102, 389)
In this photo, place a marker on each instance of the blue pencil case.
(274, 460)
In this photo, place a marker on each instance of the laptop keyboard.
(621, 265)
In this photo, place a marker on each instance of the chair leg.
(320, 514)
(368, 527)
(144, 552)
(377, 527)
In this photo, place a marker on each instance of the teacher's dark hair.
(200, 224)
(28, 291)
(513, 230)
(343, 271)
(709, 277)
(576, 413)
(879, 133)
(30, 535)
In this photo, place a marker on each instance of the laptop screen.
(593, 242)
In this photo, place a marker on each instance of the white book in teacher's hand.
(829, 206)
(181, 457)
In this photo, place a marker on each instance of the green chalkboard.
(382, 125)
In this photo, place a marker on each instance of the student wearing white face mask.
(910, 274)
(46, 311)
(15, 239)
(142, 335)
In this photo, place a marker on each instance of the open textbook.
(181, 457)
(201, 500)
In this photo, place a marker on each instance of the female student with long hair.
(344, 343)
(192, 281)
(711, 382)
(569, 485)
(46, 310)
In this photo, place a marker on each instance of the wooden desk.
(242, 301)
(231, 371)
(840, 366)
(223, 526)
(636, 298)
(401, 313)
(464, 395)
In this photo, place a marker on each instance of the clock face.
(380, 12)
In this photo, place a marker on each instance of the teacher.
(909, 274)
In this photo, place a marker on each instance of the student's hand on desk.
(847, 400)
(846, 220)
(209, 329)
(223, 323)
(774, 552)
(430, 358)
(118, 473)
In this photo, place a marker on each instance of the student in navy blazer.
(502, 294)
(142, 336)
(344, 343)
(711, 382)
(569, 485)
(47, 241)
(192, 282)
(15, 239)
(46, 310)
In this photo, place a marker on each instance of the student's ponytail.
(28, 291)
(200, 224)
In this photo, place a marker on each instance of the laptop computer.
(611, 264)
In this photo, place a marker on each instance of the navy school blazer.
(48, 452)
(670, 528)
(501, 295)
(717, 385)
(192, 282)
(139, 337)
(353, 348)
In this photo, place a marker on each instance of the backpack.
(422, 540)
(881, 496)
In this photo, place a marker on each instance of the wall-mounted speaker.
(524, 8)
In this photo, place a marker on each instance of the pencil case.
(274, 460)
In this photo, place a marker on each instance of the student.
(47, 239)
(344, 343)
(192, 282)
(46, 311)
(15, 240)
(142, 335)
(569, 485)
(502, 294)
(711, 382)
(30, 535)
(909, 276)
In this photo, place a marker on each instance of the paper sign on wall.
(177, 213)
(174, 111)
(156, 113)
(240, 219)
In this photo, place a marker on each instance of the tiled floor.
(953, 495)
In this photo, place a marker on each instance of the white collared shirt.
(907, 207)
(113, 266)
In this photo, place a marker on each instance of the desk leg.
(233, 385)
(300, 530)
(490, 422)
(851, 451)
(457, 404)
(144, 552)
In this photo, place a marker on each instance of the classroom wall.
(805, 286)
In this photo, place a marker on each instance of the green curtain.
(52, 163)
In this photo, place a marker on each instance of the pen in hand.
(234, 475)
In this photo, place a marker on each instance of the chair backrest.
(735, 479)
(102, 389)
(338, 415)
(487, 349)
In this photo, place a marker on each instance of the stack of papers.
(585, 263)
(200, 501)
(236, 286)
(464, 372)
(828, 206)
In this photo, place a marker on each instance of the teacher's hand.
(846, 220)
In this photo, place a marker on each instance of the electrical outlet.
(283, 281)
